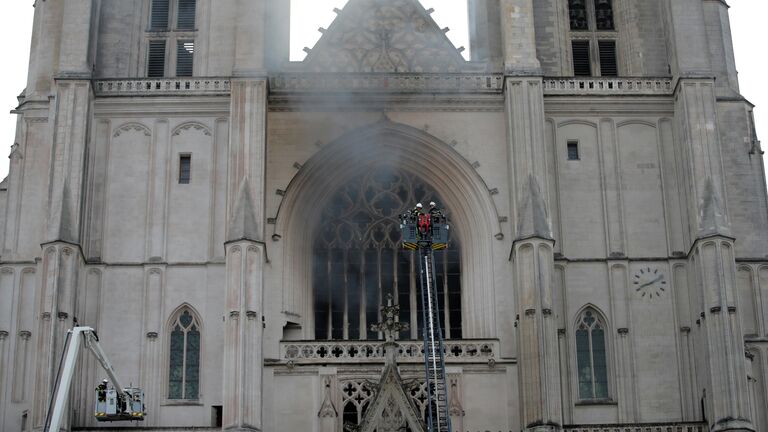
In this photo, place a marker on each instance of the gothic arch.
(602, 322)
(196, 324)
(466, 195)
(205, 130)
(131, 126)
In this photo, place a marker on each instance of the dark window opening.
(159, 15)
(577, 11)
(186, 15)
(573, 150)
(156, 59)
(184, 365)
(608, 65)
(216, 415)
(185, 169)
(581, 62)
(603, 15)
(591, 357)
(358, 260)
(185, 51)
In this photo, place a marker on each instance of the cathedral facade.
(226, 219)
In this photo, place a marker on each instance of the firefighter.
(101, 390)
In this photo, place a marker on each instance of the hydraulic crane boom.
(427, 232)
(131, 399)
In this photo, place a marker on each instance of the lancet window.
(358, 260)
(591, 356)
(184, 353)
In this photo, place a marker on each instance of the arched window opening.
(358, 260)
(184, 364)
(591, 356)
(356, 398)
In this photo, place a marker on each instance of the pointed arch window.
(184, 357)
(591, 356)
(358, 260)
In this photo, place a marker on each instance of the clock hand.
(658, 278)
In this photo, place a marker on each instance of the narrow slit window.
(156, 59)
(186, 15)
(184, 364)
(573, 150)
(581, 62)
(159, 15)
(591, 357)
(185, 168)
(185, 52)
(608, 64)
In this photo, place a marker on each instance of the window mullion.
(329, 326)
(378, 284)
(414, 300)
(184, 368)
(592, 362)
(345, 294)
(363, 302)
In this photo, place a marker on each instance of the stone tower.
(226, 218)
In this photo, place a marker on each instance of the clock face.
(649, 282)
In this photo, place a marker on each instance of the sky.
(747, 25)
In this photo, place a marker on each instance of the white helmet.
(418, 205)
(432, 204)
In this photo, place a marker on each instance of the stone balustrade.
(608, 86)
(388, 83)
(162, 86)
(459, 351)
(648, 427)
(383, 83)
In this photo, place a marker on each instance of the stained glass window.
(591, 357)
(358, 260)
(184, 364)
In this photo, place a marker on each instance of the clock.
(649, 282)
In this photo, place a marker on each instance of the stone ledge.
(640, 427)
(161, 86)
(609, 86)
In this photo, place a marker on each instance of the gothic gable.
(386, 36)
(391, 410)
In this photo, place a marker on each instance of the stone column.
(244, 248)
(718, 336)
(713, 260)
(519, 38)
(485, 31)
(243, 358)
(60, 264)
(533, 257)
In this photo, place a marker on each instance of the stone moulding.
(608, 86)
(162, 86)
(641, 427)
(386, 83)
(307, 352)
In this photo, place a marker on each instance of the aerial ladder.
(116, 404)
(426, 232)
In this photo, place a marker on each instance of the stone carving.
(384, 36)
(327, 409)
(471, 351)
(128, 127)
(192, 126)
